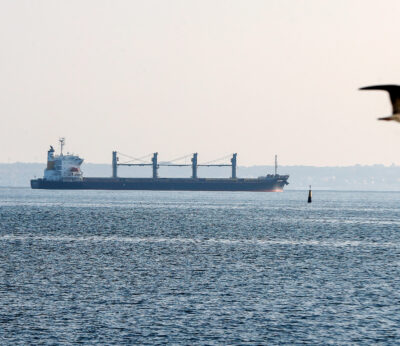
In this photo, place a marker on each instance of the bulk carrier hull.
(63, 173)
(273, 183)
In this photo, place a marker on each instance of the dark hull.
(270, 183)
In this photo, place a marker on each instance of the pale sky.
(254, 77)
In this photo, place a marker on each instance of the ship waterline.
(270, 184)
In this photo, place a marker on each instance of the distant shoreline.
(344, 178)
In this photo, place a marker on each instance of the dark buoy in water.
(309, 195)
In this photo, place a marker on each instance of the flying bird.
(394, 92)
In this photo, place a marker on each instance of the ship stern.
(36, 183)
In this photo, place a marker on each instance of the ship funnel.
(50, 158)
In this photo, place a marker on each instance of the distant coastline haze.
(350, 178)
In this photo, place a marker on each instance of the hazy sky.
(213, 77)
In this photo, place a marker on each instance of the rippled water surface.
(123, 267)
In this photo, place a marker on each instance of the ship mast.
(276, 164)
(62, 143)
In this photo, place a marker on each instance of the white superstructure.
(62, 167)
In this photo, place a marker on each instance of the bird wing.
(394, 92)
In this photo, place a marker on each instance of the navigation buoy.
(309, 195)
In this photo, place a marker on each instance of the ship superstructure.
(62, 167)
(64, 172)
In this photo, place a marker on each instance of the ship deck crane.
(155, 164)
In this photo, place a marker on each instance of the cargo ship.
(64, 172)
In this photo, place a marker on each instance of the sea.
(199, 268)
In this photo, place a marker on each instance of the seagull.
(394, 92)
